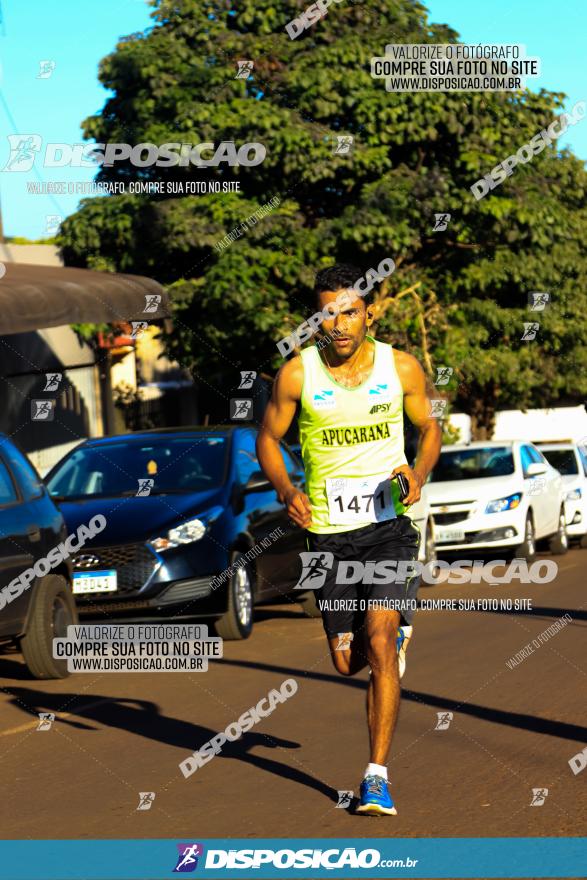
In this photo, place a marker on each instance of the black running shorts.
(344, 604)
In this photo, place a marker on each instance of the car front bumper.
(484, 531)
(146, 579)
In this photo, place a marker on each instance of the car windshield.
(149, 467)
(562, 459)
(473, 464)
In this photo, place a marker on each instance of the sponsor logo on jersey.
(324, 399)
(352, 436)
(380, 407)
(381, 389)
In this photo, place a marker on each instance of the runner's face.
(349, 328)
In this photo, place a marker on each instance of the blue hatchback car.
(182, 507)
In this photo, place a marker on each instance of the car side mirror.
(535, 469)
(257, 482)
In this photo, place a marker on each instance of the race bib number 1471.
(359, 499)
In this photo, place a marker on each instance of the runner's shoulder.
(408, 367)
(290, 378)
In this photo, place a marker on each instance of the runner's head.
(334, 289)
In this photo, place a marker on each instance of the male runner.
(352, 393)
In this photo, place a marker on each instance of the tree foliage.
(414, 155)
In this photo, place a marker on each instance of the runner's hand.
(414, 479)
(299, 508)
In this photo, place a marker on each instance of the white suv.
(497, 494)
(570, 460)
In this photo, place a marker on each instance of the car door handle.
(34, 534)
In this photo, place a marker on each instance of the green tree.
(414, 155)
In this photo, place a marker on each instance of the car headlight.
(501, 504)
(574, 495)
(187, 532)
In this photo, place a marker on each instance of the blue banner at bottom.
(531, 857)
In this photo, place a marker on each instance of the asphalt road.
(512, 730)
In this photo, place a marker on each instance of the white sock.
(376, 770)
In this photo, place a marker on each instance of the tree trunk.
(482, 411)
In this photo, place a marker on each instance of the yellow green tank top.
(351, 440)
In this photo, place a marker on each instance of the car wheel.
(309, 603)
(53, 610)
(527, 550)
(237, 620)
(559, 543)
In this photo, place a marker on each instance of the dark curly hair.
(337, 277)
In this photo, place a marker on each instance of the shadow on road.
(142, 717)
(518, 720)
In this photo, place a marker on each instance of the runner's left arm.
(418, 408)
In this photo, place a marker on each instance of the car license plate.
(448, 535)
(95, 581)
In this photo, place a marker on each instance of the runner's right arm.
(287, 390)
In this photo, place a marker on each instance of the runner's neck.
(354, 370)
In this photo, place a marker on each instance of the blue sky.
(76, 35)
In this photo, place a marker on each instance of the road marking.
(33, 724)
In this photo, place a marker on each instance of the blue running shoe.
(404, 634)
(375, 798)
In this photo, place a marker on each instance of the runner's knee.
(382, 648)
